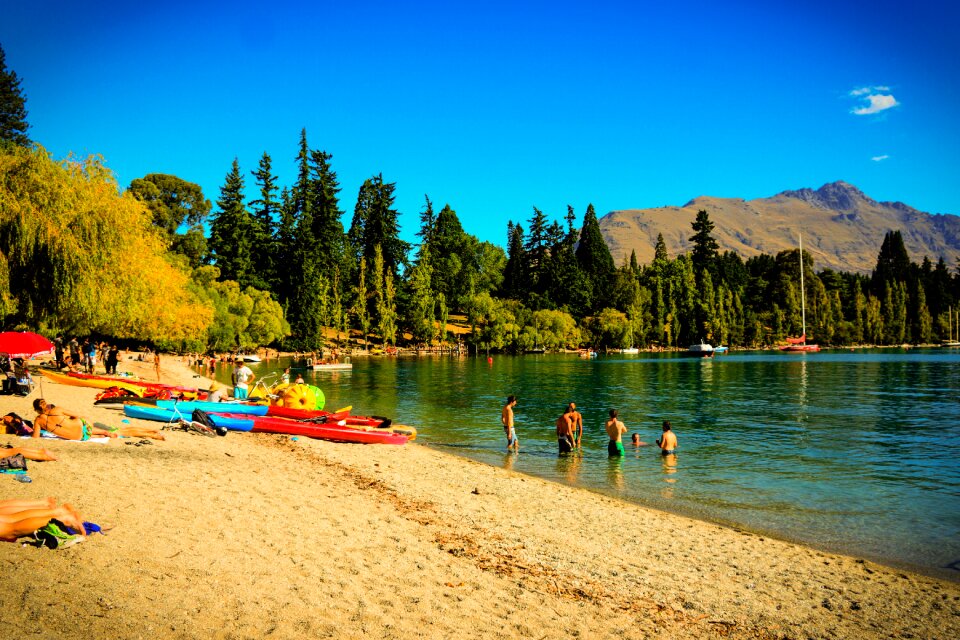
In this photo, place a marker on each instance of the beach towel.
(49, 436)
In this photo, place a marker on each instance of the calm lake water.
(852, 451)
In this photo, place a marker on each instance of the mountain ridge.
(842, 227)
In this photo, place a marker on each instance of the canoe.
(335, 432)
(342, 417)
(113, 380)
(187, 406)
(95, 383)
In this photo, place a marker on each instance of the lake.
(851, 451)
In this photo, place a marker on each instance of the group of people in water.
(570, 431)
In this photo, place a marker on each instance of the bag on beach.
(13, 463)
(199, 415)
(19, 426)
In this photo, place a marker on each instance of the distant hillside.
(842, 227)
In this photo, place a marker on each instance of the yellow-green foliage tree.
(78, 257)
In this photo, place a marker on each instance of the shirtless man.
(668, 441)
(615, 430)
(70, 426)
(577, 424)
(565, 431)
(506, 417)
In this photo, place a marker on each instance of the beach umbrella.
(24, 344)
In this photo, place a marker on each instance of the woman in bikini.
(20, 518)
(70, 426)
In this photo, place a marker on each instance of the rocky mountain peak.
(836, 196)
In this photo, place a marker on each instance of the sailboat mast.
(803, 298)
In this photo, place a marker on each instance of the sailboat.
(800, 344)
(950, 342)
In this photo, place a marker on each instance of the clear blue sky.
(496, 107)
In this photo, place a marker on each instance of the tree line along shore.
(155, 263)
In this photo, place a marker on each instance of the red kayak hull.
(335, 432)
(310, 414)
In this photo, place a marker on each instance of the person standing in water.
(668, 441)
(577, 421)
(565, 431)
(615, 430)
(506, 417)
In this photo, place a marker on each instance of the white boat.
(250, 358)
(331, 366)
(701, 350)
(631, 351)
(720, 349)
(950, 342)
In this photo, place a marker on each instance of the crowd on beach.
(570, 431)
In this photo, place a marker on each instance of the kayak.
(157, 414)
(335, 432)
(95, 383)
(187, 406)
(342, 417)
(113, 380)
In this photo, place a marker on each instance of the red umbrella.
(24, 344)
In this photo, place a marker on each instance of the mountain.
(842, 227)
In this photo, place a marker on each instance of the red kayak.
(324, 417)
(267, 424)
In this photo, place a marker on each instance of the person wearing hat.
(216, 392)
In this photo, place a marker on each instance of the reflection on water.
(855, 451)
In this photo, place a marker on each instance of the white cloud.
(880, 158)
(877, 102)
(861, 91)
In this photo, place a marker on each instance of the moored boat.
(800, 344)
(700, 350)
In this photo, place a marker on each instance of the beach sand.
(256, 535)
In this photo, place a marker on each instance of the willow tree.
(80, 258)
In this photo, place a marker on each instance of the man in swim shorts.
(565, 431)
(668, 441)
(506, 417)
(615, 430)
(577, 420)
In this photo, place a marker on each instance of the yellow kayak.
(96, 383)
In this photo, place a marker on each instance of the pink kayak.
(336, 432)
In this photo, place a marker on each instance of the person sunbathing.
(20, 518)
(70, 426)
(37, 455)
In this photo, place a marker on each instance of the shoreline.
(254, 535)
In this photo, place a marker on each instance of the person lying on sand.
(20, 518)
(37, 455)
(70, 426)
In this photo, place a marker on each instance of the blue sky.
(497, 107)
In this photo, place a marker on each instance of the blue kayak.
(187, 406)
(159, 414)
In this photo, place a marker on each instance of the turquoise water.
(850, 451)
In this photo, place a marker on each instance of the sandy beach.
(255, 535)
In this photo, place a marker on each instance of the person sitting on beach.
(70, 426)
(506, 418)
(215, 394)
(615, 430)
(565, 431)
(19, 518)
(668, 441)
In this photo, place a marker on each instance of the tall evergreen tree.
(13, 106)
(285, 269)
(514, 274)
(536, 249)
(376, 223)
(231, 231)
(705, 247)
(893, 263)
(266, 211)
(595, 260)
(325, 212)
(427, 220)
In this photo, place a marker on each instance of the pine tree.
(360, 301)
(705, 247)
(325, 211)
(13, 106)
(893, 263)
(595, 260)
(286, 273)
(427, 220)
(266, 210)
(231, 231)
(535, 250)
(514, 274)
